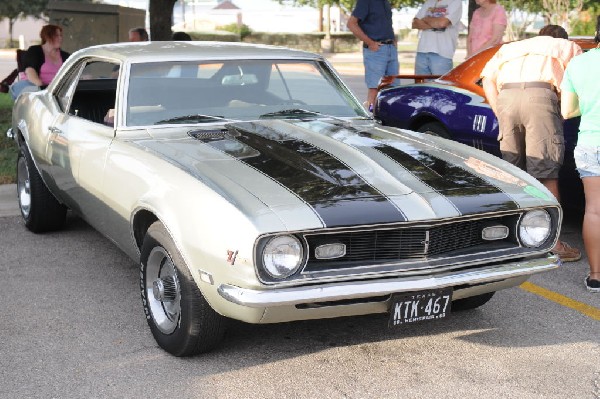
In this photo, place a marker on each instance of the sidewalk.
(352, 63)
(8, 200)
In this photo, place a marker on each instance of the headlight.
(535, 228)
(282, 256)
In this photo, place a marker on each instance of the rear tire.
(40, 210)
(181, 320)
(471, 302)
(435, 129)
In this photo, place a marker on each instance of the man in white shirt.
(439, 24)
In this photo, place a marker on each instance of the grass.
(8, 148)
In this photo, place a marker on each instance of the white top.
(440, 42)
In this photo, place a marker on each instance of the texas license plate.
(414, 307)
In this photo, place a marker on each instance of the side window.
(95, 92)
(67, 88)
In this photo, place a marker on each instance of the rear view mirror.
(239, 80)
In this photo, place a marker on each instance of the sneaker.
(565, 252)
(592, 285)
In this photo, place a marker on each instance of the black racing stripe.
(468, 192)
(336, 192)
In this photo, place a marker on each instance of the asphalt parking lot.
(72, 326)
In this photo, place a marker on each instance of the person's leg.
(375, 63)
(544, 138)
(544, 147)
(591, 221)
(439, 65)
(422, 64)
(393, 67)
(511, 133)
(587, 159)
(552, 186)
(17, 87)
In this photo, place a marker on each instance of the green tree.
(14, 9)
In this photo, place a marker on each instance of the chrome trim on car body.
(369, 288)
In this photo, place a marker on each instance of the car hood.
(339, 173)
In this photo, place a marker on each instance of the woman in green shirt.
(580, 96)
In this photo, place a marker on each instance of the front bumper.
(379, 287)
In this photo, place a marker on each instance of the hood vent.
(211, 134)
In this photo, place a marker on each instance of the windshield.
(189, 92)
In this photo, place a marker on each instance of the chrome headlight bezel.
(282, 256)
(535, 228)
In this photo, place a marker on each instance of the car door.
(79, 139)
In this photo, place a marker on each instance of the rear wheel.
(471, 302)
(181, 320)
(435, 129)
(41, 211)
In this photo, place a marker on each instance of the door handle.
(54, 130)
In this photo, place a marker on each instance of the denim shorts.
(380, 63)
(587, 160)
(432, 64)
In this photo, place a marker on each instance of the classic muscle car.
(249, 183)
(454, 106)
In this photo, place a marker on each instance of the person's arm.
(436, 22)
(497, 33)
(491, 92)
(33, 76)
(360, 34)
(469, 46)
(569, 104)
(420, 24)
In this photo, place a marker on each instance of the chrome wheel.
(23, 187)
(163, 291)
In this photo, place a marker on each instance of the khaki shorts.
(531, 130)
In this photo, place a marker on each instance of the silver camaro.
(250, 184)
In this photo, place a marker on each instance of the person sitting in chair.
(42, 61)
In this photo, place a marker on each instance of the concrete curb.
(8, 200)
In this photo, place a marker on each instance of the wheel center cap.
(164, 289)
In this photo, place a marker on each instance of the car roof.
(170, 51)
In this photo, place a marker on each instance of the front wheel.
(471, 302)
(181, 320)
(40, 210)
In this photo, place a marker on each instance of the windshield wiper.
(191, 119)
(289, 113)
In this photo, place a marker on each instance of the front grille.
(392, 245)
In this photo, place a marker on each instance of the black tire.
(435, 129)
(41, 211)
(181, 320)
(471, 302)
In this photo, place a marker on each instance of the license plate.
(414, 307)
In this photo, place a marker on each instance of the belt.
(382, 42)
(525, 85)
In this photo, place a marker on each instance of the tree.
(20, 8)
(14, 9)
(161, 18)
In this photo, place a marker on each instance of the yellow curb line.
(587, 310)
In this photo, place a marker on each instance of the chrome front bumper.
(371, 288)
